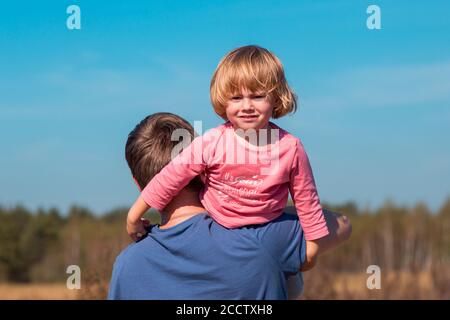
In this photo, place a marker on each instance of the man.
(189, 256)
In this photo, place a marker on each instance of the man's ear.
(137, 184)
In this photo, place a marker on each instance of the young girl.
(248, 164)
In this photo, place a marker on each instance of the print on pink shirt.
(245, 186)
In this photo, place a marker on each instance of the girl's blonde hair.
(257, 70)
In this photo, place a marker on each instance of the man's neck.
(182, 207)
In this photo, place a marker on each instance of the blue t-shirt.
(200, 259)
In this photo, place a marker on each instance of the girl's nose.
(247, 104)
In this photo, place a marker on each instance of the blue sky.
(374, 111)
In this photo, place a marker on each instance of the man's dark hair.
(149, 147)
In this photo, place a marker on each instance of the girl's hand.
(136, 229)
(309, 263)
(312, 250)
(135, 222)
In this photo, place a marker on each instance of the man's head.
(149, 147)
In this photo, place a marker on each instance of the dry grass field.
(37, 291)
(400, 285)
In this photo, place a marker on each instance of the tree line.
(37, 246)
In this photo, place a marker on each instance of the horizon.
(325, 205)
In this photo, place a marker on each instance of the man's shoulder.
(279, 227)
(124, 256)
(283, 239)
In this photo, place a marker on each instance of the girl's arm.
(306, 199)
(135, 223)
(312, 249)
(161, 189)
(175, 175)
(340, 230)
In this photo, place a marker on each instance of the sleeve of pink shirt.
(177, 174)
(304, 193)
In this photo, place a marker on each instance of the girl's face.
(249, 110)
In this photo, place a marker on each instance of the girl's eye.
(259, 97)
(236, 98)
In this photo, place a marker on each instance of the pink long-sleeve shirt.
(245, 183)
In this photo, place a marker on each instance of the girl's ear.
(137, 184)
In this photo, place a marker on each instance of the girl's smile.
(249, 110)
